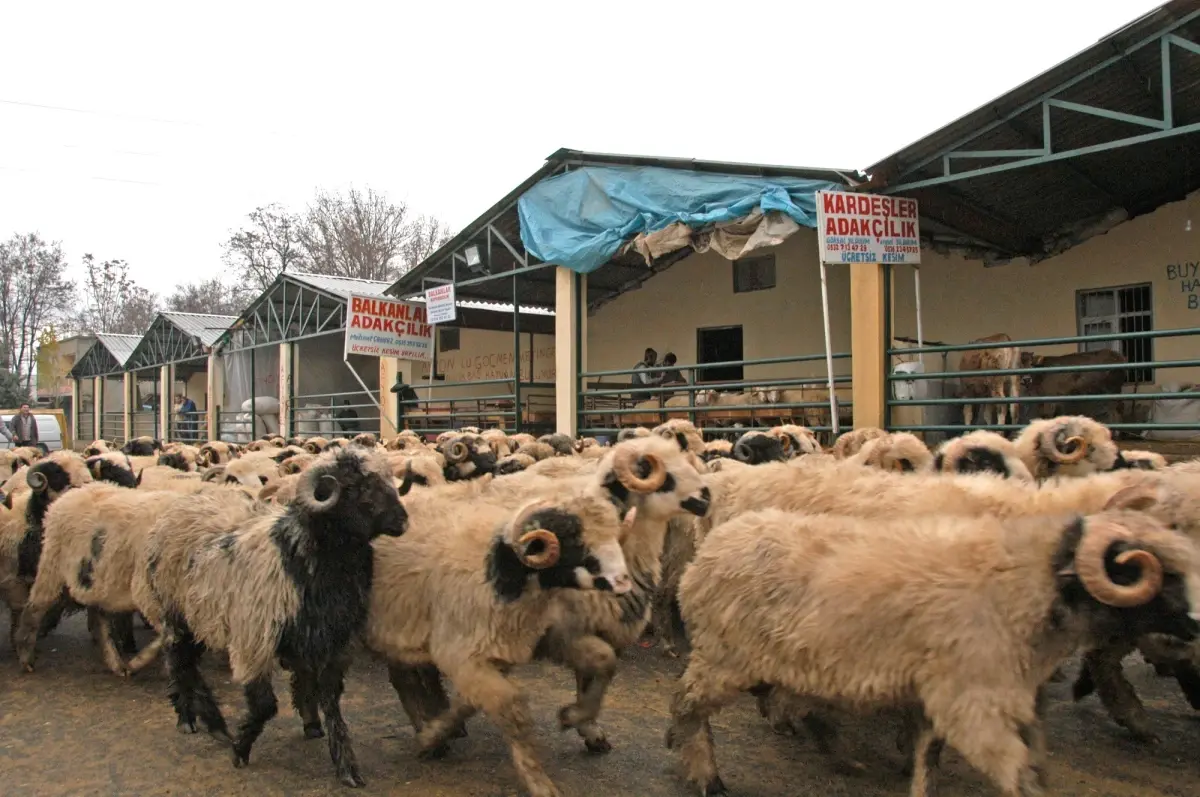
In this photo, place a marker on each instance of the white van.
(49, 434)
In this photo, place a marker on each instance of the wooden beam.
(866, 343)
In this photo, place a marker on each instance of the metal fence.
(334, 414)
(87, 429)
(1102, 387)
(112, 426)
(609, 402)
(145, 424)
(507, 404)
(233, 426)
(188, 427)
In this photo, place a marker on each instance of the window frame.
(1137, 374)
(768, 258)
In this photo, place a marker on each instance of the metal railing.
(233, 426)
(188, 427)
(1120, 410)
(334, 414)
(609, 401)
(112, 426)
(87, 428)
(145, 424)
(509, 405)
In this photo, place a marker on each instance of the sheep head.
(350, 491)
(654, 477)
(1070, 445)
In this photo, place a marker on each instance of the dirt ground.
(73, 729)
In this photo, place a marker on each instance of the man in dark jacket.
(348, 418)
(24, 428)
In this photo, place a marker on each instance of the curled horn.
(1069, 451)
(95, 468)
(785, 439)
(312, 447)
(1090, 567)
(1135, 498)
(36, 480)
(531, 537)
(205, 455)
(625, 464)
(320, 504)
(214, 473)
(456, 452)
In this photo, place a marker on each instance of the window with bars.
(1106, 311)
(448, 339)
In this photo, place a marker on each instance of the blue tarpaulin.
(580, 219)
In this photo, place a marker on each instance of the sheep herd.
(945, 586)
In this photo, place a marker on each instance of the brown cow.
(1078, 383)
(1001, 358)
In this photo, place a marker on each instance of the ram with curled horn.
(1070, 445)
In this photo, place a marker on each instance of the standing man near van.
(24, 428)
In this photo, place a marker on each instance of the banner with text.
(439, 304)
(377, 327)
(863, 228)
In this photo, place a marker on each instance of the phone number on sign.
(846, 247)
(912, 250)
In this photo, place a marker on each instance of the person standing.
(187, 417)
(642, 377)
(23, 427)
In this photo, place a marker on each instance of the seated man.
(672, 377)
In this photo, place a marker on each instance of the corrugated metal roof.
(340, 286)
(206, 328)
(119, 346)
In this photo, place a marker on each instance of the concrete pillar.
(568, 323)
(97, 405)
(867, 343)
(216, 393)
(165, 400)
(130, 388)
(76, 392)
(285, 389)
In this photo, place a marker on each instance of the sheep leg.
(146, 655)
(331, 682)
(261, 708)
(1103, 670)
(595, 663)
(482, 685)
(108, 648)
(1014, 391)
(423, 695)
(53, 616)
(829, 742)
(40, 604)
(994, 742)
(698, 695)
(306, 702)
(662, 617)
(926, 752)
(189, 693)
(968, 414)
(122, 631)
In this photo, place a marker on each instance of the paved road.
(72, 729)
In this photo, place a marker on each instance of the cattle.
(1076, 383)
(1000, 358)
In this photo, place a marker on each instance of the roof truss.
(165, 343)
(96, 361)
(287, 311)
(1167, 41)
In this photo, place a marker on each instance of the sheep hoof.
(352, 779)
(435, 753)
(185, 726)
(28, 665)
(714, 787)
(313, 730)
(240, 759)
(598, 745)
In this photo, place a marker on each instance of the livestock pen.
(103, 387)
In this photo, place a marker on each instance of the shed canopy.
(106, 356)
(175, 338)
(619, 197)
(1105, 136)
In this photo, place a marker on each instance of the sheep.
(144, 446)
(631, 433)
(250, 471)
(14, 459)
(406, 440)
(715, 449)
(471, 595)
(423, 471)
(1070, 445)
(365, 440)
(264, 445)
(216, 452)
(180, 457)
(1145, 460)
(91, 538)
(963, 621)
(797, 441)
(848, 444)
(281, 491)
(164, 477)
(536, 450)
(515, 441)
(468, 456)
(562, 444)
(981, 452)
(515, 463)
(48, 479)
(585, 443)
(113, 467)
(294, 464)
(755, 448)
(289, 583)
(98, 447)
(684, 433)
(498, 440)
(898, 451)
(316, 445)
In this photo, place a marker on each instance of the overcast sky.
(147, 131)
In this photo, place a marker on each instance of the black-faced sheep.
(1070, 445)
(468, 456)
(113, 467)
(142, 447)
(98, 447)
(216, 452)
(756, 448)
(981, 452)
(290, 583)
(498, 440)
(48, 479)
(471, 594)
(966, 620)
(562, 444)
(1143, 460)
(649, 481)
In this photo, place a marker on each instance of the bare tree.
(112, 301)
(359, 234)
(212, 296)
(264, 250)
(33, 294)
(426, 235)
